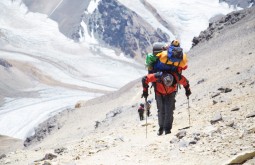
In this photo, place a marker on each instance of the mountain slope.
(68, 15)
(43, 72)
(221, 72)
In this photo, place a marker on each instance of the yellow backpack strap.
(179, 63)
(166, 61)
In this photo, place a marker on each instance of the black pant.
(148, 112)
(166, 106)
(141, 115)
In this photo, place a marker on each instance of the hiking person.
(165, 87)
(141, 111)
(148, 106)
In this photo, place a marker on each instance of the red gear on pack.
(160, 88)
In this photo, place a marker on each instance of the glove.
(187, 91)
(158, 74)
(145, 94)
(145, 88)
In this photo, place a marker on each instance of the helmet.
(142, 105)
(167, 79)
(175, 43)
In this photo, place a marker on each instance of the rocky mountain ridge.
(126, 30)
(112, 24)
(216, 27)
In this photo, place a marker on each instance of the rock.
(235, 109)
(241, 134)
(195, 41)
(233, 153)
(210, 130)
(216, 118)
(196, 134)
(183, 144)
(78, 105)
(44, 129)
(7, 161)
(120, 138)
(215, 95)
(60, 150)
(181, 134)
(2, 156)
(174, 140)
(97, 124)
(193, 142)
(225, 90)
(48, 156)
(251, 115)
(77, 158)
(93, 151)
(114, 112)
(230, 123)
(251, 130)
(196, 138)
(201, 81)
(220, 27)
(5, 63)
(243, 157)
(143, 125)
(214, 102)
(46, 163)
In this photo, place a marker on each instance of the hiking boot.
(167, 132)
(160, 131)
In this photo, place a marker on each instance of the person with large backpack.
(165, 82)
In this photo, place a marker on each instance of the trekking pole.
(146, 114)
(189, 116)
(188, 111)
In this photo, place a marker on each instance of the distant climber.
(165, 86)
(141, 111)
(148, 107)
